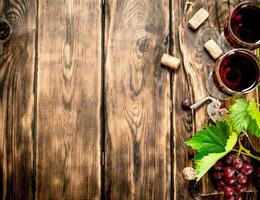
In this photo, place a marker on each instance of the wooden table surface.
(87, 111)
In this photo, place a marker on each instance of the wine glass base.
(214, 91)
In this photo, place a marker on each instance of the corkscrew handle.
(201, 102)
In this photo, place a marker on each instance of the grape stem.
(245, 134)
(247, 154)
(243, 150)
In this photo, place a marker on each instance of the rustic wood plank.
(219, 11)
(17, 60)
(190, 81)
(69, 100)
(250, 195)
(256, 141)
(223, 8)
(137, 163)
(182, 121)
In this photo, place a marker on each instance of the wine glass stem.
(223, 43)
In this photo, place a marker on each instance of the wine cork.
(198, 18)
(170, 61)
(214, 50)
(189, 173)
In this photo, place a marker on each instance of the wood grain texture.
(220, 14)
(182, 121)
(250, 195)
(219, 11)
(190, 81)
(17, 61)
(137, 163)
(69, 96)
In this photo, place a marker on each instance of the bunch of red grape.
(231, 175)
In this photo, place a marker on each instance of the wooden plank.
(190, 80)
(256, 141)
(137, 163)
(250, 195)
(219, 11)
(69, 100)
(196, 67)
(182, 121)
(220, 14)
(17, 60)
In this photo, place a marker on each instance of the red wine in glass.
(236, 72)
(242, 28)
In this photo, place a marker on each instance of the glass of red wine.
(236, 72)
(241, 29)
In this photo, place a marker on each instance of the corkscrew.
(214, 110)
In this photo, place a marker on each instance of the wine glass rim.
(229, 22)
(243, 51)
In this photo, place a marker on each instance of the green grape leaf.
(212, 143)
(245, 116)
(239, 116)
(254, 112)
(211, 139)
(254, 129)
(254, 125)
(206, 162)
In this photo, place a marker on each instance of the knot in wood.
(5, 30)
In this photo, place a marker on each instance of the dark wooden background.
(87, 111)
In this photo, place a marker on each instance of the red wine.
(244, 24)
(239, 71)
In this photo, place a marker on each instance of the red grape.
(218, 166)
(247, 169)
(230, 180)
(232, 175)
(220, 185)
(229, 159)
(186, 104)
(229, 191)
(229, 171)
(239, 188)
(239, 197)
(217, 175)
(245, 159)
(241, 178)
(237, 163)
